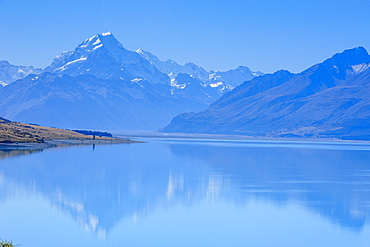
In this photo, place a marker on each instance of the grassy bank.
(13, 132)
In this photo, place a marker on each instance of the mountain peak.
(103, 56)
(99, 40)
(107, 34)
(140, 51)
(353, 56)
(4, 63)
(147, 55)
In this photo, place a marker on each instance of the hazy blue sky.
(264, 35)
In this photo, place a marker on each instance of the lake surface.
(182, 192)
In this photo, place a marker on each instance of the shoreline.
(123, 138)
(63, 143)
(148, 134)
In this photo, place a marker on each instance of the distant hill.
(330, 99)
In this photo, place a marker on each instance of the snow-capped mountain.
(187, 86)
(172, 69)
(101, 85)
(329, 99)
(10, 73)
(222, 81)
(232, 78)
(103, 56)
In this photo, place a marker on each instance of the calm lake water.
(173, 192)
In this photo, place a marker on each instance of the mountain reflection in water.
(100, 187)
(333, 181)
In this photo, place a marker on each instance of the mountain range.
(10, 73)
(224, 81)
(329, 99)
(117, 62)
(101, 85)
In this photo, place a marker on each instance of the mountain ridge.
(85, 102)
(102, 85)
(10, 73)
(318, 102)
(223, 81)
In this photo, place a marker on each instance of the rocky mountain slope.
(85, 102)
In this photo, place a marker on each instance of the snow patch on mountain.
(217, 84)
(360, 68)
(106, 34)
(64, 67)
